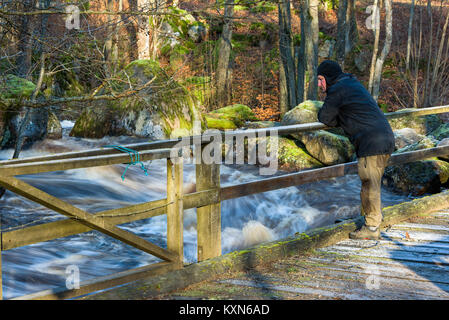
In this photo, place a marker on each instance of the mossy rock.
(417, 178)
(54, 128)
(304, 112)
(13, 87)
(422, 124)
(424, 143)
(327, 147)
(238, 113)
(230, 117)
(261, 124)
(442, 132)
(291, 157)
(220, 124)
(93, 123)
(155, 112)
(406, 136)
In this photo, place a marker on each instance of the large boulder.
(230, 117)
(291, 157)
(443, 143)
(417, 178)
(423, 143)
(158, 110)
(327, 146)
(305, 112)
(54, 128)
(442, 132)
(406, 136)
(422, 124)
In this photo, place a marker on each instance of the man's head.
(328, 72)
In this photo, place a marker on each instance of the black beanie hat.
(330, 70)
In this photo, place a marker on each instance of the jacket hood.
(330, 70)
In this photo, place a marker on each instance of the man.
(350, 106)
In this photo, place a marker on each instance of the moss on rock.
(304, 112)
(422, 124)
(327, 147)
(417, 178)
(290, 156)
(441, 132)
(155, 112)
(13, 87)
(220, 124)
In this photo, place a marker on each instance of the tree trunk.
(430, 35)
(25, 43)
(311, 48)
(301, 59)
(352, 33)
(342, 30)
(286, 51)
(143, 31)
(223, 73)
(386, 49)
(376, 26)
(409, 35)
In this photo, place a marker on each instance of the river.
(246, 221)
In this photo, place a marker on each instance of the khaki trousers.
(371, 170)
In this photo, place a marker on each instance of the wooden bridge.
(206, 199)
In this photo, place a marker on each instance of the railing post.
(208, 217)
(175, 208)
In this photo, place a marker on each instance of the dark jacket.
(350, 106)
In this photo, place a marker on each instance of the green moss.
(221, 124)
(238, 113)
(13, 87)
(422, 124)
(441, 132)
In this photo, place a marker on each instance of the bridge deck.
(411, 261)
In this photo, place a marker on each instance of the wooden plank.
(86, 162)
(99, 224)
(102, 283)
(307, 176)
(68, 227)
(175, 210)
(208, 217)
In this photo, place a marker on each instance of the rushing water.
(246, 221)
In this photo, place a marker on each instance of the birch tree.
(386, 49)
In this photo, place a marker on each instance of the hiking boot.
(365, 233)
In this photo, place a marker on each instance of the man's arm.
(329, 111)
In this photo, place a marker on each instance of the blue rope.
(135, 158)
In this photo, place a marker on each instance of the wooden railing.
(206, 199)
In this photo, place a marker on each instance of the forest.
(150, 68)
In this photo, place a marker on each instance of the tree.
(378, 62)
(224, 71)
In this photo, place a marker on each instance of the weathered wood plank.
(175, 209)
(307, 176)
(208, 217)
(102, 283)
(99, 224)
(85, 162)
(63, 228)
